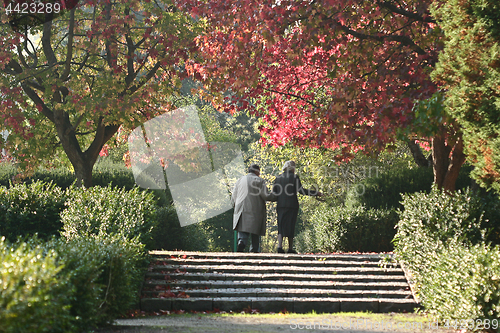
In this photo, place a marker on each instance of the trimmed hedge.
(104, 211)
(104, 174)
(348, 229)
(72, 286)
(26, 210)
(35, 295)
(447, 243)
(106, 274)
(385, 190)
(169, 235)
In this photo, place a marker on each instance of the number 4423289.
(32, 7)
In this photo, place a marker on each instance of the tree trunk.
(447, 168)
(83, 162)
(418, 156)
(83, 173)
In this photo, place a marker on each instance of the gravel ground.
(277, 323)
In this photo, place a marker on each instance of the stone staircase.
(272, 282)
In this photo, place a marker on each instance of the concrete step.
(298, 262)
(278, 292)
(272, 282)
(262, 269)
(221, 276)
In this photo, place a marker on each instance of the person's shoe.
(292, 251)
(280, 250)
(241, 247)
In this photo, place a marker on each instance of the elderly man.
(249, 200)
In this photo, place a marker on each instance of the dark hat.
(254, 168)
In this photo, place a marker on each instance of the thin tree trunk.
(446, 167)
(456, 162)
(83, 173)
(83, 162)
(418, 156)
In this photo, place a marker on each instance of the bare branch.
(47, 48)
(38, 101)
(398, 10)
(69, 53)
(148, 76)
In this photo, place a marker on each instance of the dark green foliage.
(219, 232)
(105, 174)
(7, 173)
(444, 240)
(26, 210)
(169, 235)
(109, 211)
(68, 286)
(385, 190)
(106, 274)
(343, 229)
(468, 71)
(35, 296)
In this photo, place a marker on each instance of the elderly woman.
(286, 186)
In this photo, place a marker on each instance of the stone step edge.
(277, 284)
(278, 304)
(181, 254)
(272, 277)
(274, 269)
(271, 262)
(327, 293)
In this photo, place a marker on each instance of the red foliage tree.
(333, 73)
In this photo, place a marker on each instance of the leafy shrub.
(119, 175)
(61, 177)
(218, 231)
(103, 174)
(385, 190)
(7, 173)
(444, 240)
(26, 210)
(348, 229)
(106, 274)
(61, 286)
(169, 235)
(34, 293)
(104, 211)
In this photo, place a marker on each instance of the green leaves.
(33, 293)
(103, 212)
(444, 240)
(468, 69)
(26, 210)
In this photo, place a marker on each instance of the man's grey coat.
(249, 200)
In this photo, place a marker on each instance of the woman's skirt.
(287, 217)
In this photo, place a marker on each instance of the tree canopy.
(339, 74)
(72, 83)
(469, 71)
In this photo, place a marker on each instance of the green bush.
(385, 190)
(218, 231)
(169, 235)
(31, 209)
(106, 274)
(35, 296)
(445, 241)
(7, 173)
(104, 174)
(68, 286)
(348, 229)
(119, 175)
(104, 211)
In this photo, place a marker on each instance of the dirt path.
(278, 323)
